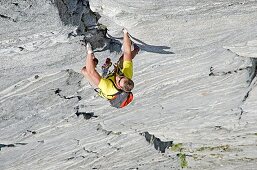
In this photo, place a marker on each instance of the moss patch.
(222, 148)
(182, 159)
(176, 147)
(218, 156)
(181, 156)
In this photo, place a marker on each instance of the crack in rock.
(33, 132)
(252, 75)
(252, 71)
(246, 96)
(88, 151)
(8, 145)
(82, 155)
(241, 113)
(15, 3)
(114, 147)
(75, 157)
(252, 78)
(7, 17)
(77, 140)
(158, 144)
(73, 77)
(21, 143)
(57, 92)
(107, 132)
(78, 13)
(222, 73)
(86, 115)
(11, 145)
(237, 3)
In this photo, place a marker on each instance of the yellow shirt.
(106, 86)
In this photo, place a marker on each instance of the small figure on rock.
(117, 86)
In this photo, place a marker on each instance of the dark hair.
(128, 85)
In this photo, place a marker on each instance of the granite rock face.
(79, 14)
(195, 85)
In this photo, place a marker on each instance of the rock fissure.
(86, 115)
(57, 92)
(107, 132)
(7, 17)
(11, 145)
(241, 113)
(253, 70)
(78, 13)
(252, 78)
(158, 144)
(222, 73)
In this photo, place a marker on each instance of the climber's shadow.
(115, 45)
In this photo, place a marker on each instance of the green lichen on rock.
(218, 156)
(182, 159)
(181, 156)
(176, 147)
(211, 148)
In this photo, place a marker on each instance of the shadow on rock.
(152, 48)
(158, 144)
(78, 13)
(115, 45)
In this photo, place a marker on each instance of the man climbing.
(116, 87)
